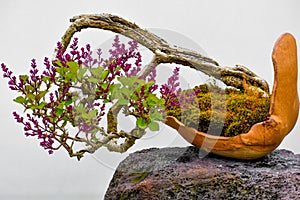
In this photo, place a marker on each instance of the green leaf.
(141, 123)
(115, 91)
(81, 72)
(113, 87)
(89, 116)
(68, 102)
(130, 81)
(33, 107)
(123, 101)
(59, 111)
(45, 79)
(93, 80)
(60, 105)
(104, 86)
(104, 74)
(153, 126)
(124, 80)
(116, 95)
(161, 101)
(30, 96)
(41, 105)
(126, 92)
(156, 116)
(20, 100)
(29, 88)
(42, 94)
(58, 63)
(24, 78)
(97, 72)
(92, 114)
(72, 70)
(65, 122)
(152, 100)
(61, 70)
(80, 109)
(73, 65)
(71, 76)
(148, 85)
(75, 97)
(106, 101)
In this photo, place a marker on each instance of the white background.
(231, 32)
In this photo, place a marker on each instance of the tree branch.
(163, 52)
(239, 77)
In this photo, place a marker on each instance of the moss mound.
(222, 112)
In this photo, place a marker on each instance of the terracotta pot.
(265, 136)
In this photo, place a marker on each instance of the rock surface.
(188, 173)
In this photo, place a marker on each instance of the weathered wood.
(164, 52)
(238, 77)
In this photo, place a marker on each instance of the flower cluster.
(171, 90)
(122, 55)
(174, 96)
(31, 98)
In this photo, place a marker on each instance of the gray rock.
(188, 173)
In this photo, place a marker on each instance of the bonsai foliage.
(66, 102)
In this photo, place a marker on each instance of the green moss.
(232, 112)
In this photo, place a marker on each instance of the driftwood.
(164, 52)
(236, 77)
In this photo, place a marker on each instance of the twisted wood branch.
(163, 53)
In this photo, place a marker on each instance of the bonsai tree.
(65, 101)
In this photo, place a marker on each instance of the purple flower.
(170, 91)
(4, 68)
(74, 47)
(18, 117)
(152, 75)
